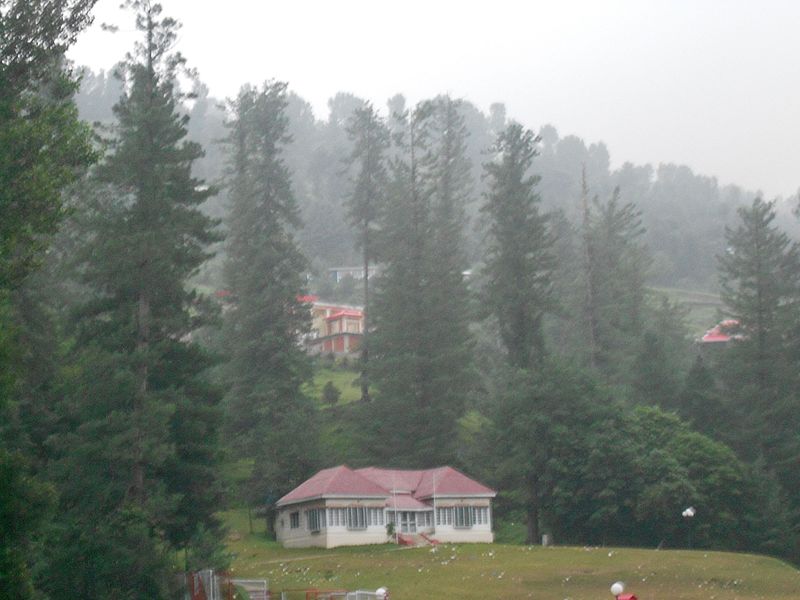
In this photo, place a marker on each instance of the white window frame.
(464, 517)
(444, 515)
(315, 519)
(356, 518)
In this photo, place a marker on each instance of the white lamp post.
(688, 515)
(617, 588)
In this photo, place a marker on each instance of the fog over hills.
(706, 84)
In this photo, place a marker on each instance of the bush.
(330, 393)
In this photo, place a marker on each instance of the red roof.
(408, 487)
(447, 481)
(405, 502)
(308, 299)
(723, 332)
(336, 481)
(393, 479)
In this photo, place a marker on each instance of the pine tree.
(760, 281)
(43, 146)
(270, 418)
(654, 380)
(370, 139)
(136, 462)
(616, 266)
(43, 149)
(701, 403)
(519, 260)
(422, 345)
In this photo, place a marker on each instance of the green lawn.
(342, 378)
(483, 571)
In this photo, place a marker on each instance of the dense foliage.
(43, 149)
(517, 337)
(421, 346)
(270, 419)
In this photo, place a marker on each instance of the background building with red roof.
(723, 333)
(341, 506)
(335, 328)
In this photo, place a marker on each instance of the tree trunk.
(365, 337)
(532, 510)
(142, 344)
(270, 523)
(590, 310)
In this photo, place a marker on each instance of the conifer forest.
(524, 300)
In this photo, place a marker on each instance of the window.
(375, 517)
(316, 519)
(444, 516)
(482, 516)
(337, 517)
(464, 517)
(356, 517)
(294, 520)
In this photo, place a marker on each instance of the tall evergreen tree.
(760, 281)
(42, 144)
(270, 417)
(519, 260)
(663, 358)
(136, 462)
(422, 345)
(43, 148)
(615, 270)
(365, 205)
(700, 403)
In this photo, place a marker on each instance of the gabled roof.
(408, 486)
(443, 481)
(405, 502)
(393, 479)
(334, 482)
(447, 481)
(724, 331)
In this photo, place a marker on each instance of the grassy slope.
(504, 571)
(703, 307)
(342, 378)
(480, 571)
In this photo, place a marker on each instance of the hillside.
(474, 571)
(702, 308)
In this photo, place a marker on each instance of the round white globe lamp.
(617, 588)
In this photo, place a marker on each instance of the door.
(408, 522)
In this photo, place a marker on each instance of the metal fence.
(315, 594)
(257, 589)
(207, 585)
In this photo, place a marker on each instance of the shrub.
(330, 393)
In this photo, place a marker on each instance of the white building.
(345, 507)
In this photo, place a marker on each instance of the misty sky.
(711, 84)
